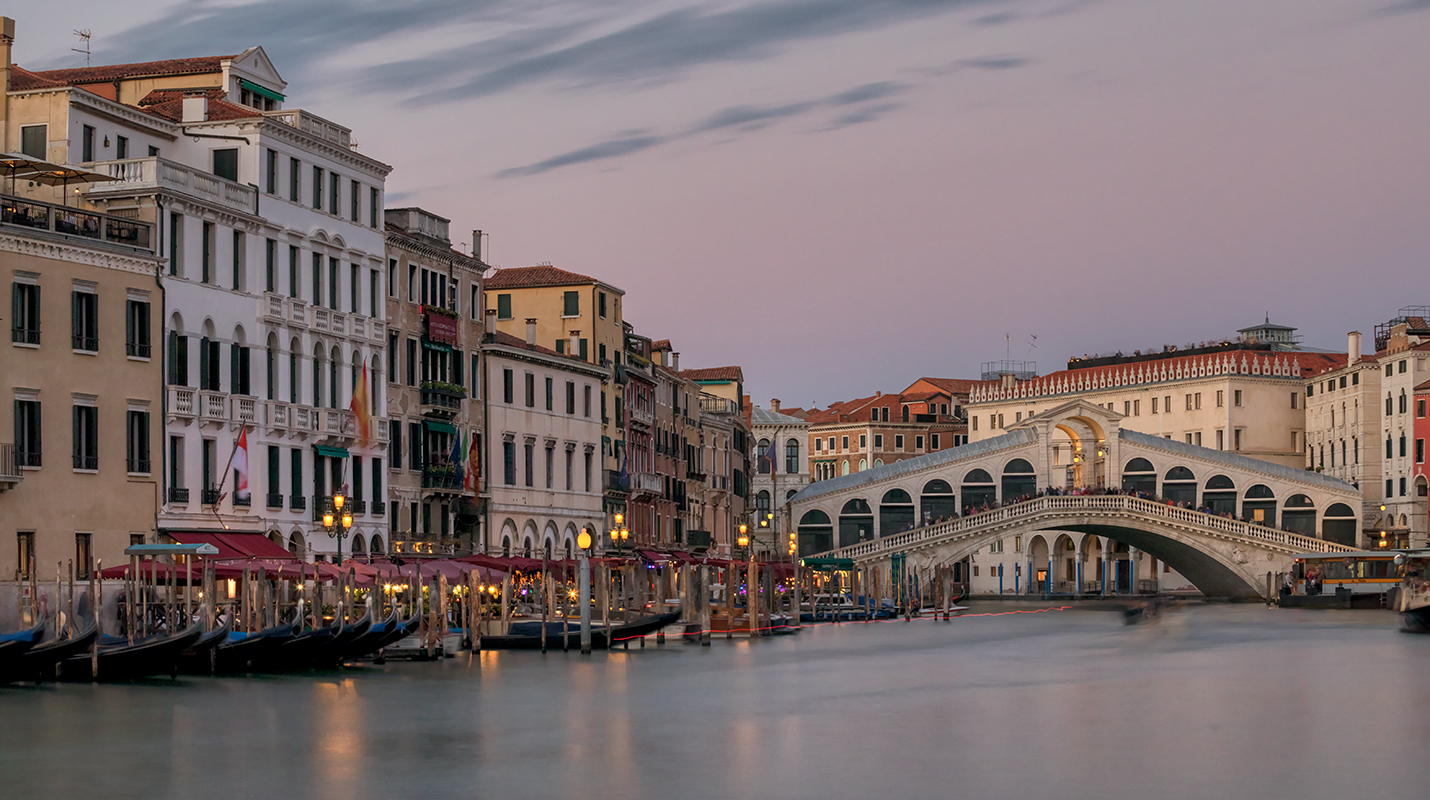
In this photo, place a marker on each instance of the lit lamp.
(338, 522)
(583, 539)
(744, 538)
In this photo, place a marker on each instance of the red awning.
(681, 555)
(652, 556)
(235, 546)
(507, 564)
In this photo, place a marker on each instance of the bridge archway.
(1259, 505)
(978, 490)
(1298, 515)
(815, 533)
(1039, 552)
(1220, 495)
(856, 522)
(937, 501)
(896, 512)
(1019, 480)
(1180, 486)
(1339, 524)
(1139, 476)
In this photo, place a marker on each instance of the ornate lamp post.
(620, 533)
(338, 521)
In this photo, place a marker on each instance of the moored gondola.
(601, 638)
(370, 641)
(13, 645)
(155, 655)
(329, 653)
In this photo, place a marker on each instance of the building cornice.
(64, 250)
(1068, 385)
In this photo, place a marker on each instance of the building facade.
(780, 468)
(435, 423)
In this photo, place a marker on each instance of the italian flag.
(240, 467)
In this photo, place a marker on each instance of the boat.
(39, 663)
(296, 653)
(601, 638)
(1356, 579)
(369, 642)
(13, 645)
(236, 651)
(119, 660)
(1412, 598)
(204, 647)
(331, 652)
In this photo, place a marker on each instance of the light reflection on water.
(1214, 701)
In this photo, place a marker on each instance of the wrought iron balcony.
(242, 501)
(297, 502)
(379, 507)
(22, 335)
(37, 215)
(138, 465)
(209, 497)
(86, 462)
(137, 350)
(10, 472)
(178, 494)
(275, 500)
(89, 344)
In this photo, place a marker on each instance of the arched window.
(792, 457)
(762, 503)
(377, 545)
(506, 547)
(977, 476)
(1138, 465)
(293, 381)
(270, 373)
(937, 486)
(896, 496)
(1018, 466)
(1180, 474)
(333, 395)
(790, 494)
(863, 464)
(844, 468)
(762, 451)
(317, 376)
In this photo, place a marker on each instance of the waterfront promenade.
(1212, 701)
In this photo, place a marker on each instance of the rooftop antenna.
(84, 37)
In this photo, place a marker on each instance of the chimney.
(196, 109)
(477, 245)
(531, 330)
(1352, 348)
(7, 40)
(674, 361)
(491, 323)
(1009, 380)
(878, 393)
(774, 404)
(574, 349)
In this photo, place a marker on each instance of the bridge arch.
(856, 522)
(978, 489)
(1139, 476)
(896, 512)
(1259, 505)
(1339, 524)
(1298, 514)
(937, 501)
(815, 532)
(1180, 486)
(1019, 480)
(1219, 495)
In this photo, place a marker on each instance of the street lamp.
(337, 521)
(620, 533)
(744, 539)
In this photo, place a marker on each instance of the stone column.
(1107, 575)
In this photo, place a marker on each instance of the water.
(1210, 702)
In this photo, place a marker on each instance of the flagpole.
(242, 429)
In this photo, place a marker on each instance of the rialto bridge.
(1222, 520)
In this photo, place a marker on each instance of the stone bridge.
(1246, 518)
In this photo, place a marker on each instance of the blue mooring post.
(1017, 579)
(1077, 588)
(1000, 580)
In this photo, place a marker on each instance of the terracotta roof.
(951, 385)
(660, 344)
(219, 110)
(22, 80)
(530, 277)
(114, 72)
(919, 397)
(507, 340)
(165, 95)
(713, 374)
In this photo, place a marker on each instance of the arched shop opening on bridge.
(937, 502)
(978, 490)
(816, 533)
(896, 512)
(856, 522)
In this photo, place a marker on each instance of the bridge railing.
(1065, 503)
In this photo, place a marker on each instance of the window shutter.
(16, 305)
(204, 363)
(131, 308)
(183, 356)
(78, 432)
(214, 383)
(77, 328)
(243, 370)
(233, 376)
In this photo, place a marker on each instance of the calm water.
(1210, 702)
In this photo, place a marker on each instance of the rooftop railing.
(74, 222)
(160, 173)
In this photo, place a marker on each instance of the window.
(392, 277)
(178, 356)
(1189, 402)
(1236, 401)
(295, 284)
(878, 441)
(863, 440)
(295, 179)
(530, 390)
(86, 438)
(225, 164)
(176, 238)
(503, 306)
(506, 386)
(475, 377)
(372, 293)
(238, 369)
(1295, 399)
(84, 320)
(1389, 405)
(411, 362)
(27, 433)
(586, 402)
(137, 454)
(414, 446)
(209, 365)
(332, 284)
(136, 328)
(1154, 405)
(818, 445)
(844, 442)
(1197, 401)
(1402, 401)
(530, 466)
(933, 441)
(1221, 440)
(550, 405)
(509, 462)
(239, 245)
(295, 479)
(356, 200)
(121, 147)
(601, 304)
(87, 143)
(918, 443)
(394, 443)
(1236, 439)
(1401, 370)
(1419, 451)
(1389, 370)
(318, 188)
(1402, 445)
(550, 463)
(34, 141)
(354, 289)
(83, 555)
(1197, 439)
(270, 275)
(587, 474)
(335, 190)
(206, 259)
(571, 305)
(372, 206)
(1402, 480)
(571, 398)
(899, 442)
(270, 181)
(1126, 408)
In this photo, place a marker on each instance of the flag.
(359, 407)
(625, 472)
(240, 467)
(456, 455)
(472, 482)
(770, 454)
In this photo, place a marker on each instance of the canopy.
(826, 564)
(235, 546)
(330, 452)
(440, 427)
(260, 90)
(504, 564)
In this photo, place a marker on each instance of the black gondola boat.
(13, 645)
(296, 653)
(370, 641)
(39, 663)
(154, 655)
(601, 638)
(329, 653)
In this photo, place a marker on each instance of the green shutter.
(204, 363)
(504, 306)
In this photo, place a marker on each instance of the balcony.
(297, 502)
(23, 335)
(138, 466)
(244, 409)
(642, 417)
(717, 405)
(86, 344)
(209, 497)
(646, 484)
(614, 482)
(276, 415)
(313, 125)
(179, 495)
(212, 406)
(242, 501)
(273, 308)
(10, 472)
(297, 313)
(72, 222)
(359, 507)
(378, 507)
(181, 403)
(87, 463)
(441, 478)
(153, 173)
(275, 500)
(441, 399)
(137, 350)
(321, 503)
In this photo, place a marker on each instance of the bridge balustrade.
(1123, 503)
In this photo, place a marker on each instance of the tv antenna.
(84, 37)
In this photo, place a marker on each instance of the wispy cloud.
(1407, 7)
(596, 152)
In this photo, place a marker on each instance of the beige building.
(79, 479)
(434, 385)
(1343, 424)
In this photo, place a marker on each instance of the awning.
(681, 555)
(330, 452)
(825, 564)
(260, 90)
(652, 556)
(432, 425)
(438, 346)
(235, 545)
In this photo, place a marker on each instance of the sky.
(842, 196)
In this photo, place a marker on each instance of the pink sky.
(842, 196)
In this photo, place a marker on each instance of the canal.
(1209, 702)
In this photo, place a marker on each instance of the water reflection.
(1215, 701)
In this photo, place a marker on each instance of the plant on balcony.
(441, 469)
(440, 311)
(443, 386)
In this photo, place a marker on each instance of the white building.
(269, 223)
(543, 422)
(775, 482)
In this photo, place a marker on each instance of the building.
(781, 468)
(1402, 348)
(719, 493)
(79, 480)
(856, 435)
(267, 219)
(543, 435)
(435, 421)
(1343, 424)
(1245, 396)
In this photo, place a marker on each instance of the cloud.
(1407, 7)
(596, 152)
(750, 117)
(1001, 18)
(866, 114)
(985, 63)
(869, 91)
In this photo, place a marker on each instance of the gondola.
(402, 630)
(298, 652)
(154, 655)
(13, 645)
(206, 644)
(601, 639)
(331, 652)
(238, 650)
(369, 642)
(39, 662)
